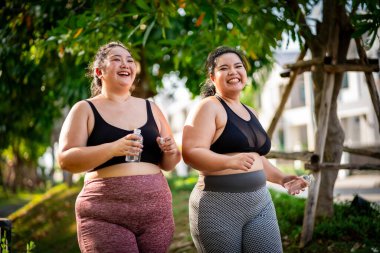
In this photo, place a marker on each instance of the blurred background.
(45, 50)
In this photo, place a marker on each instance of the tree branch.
(337, 166)
(304, 27)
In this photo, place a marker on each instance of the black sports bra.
(105, 133)
(240, 135)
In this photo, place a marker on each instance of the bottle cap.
(309, 178)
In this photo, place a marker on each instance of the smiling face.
(229, 74)
(119, 68)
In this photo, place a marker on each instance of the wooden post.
(370, 81)
(285, 96)
(370, 152)
(338, 166)
(312, 200)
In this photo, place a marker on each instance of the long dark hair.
(208, 87)
(101, 55)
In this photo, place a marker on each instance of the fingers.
(132, 145)
(247, 165)
(296, 186)
(133, 137)
(167, 144)
(248, 161)
(241, 161)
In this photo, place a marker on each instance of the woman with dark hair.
(230, 207)
(123, 206)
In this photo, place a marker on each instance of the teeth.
(124, 73)
(233, 80)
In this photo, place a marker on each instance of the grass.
(10, 202)
(49, 221)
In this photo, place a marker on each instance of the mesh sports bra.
(240, 135)
(105, 133)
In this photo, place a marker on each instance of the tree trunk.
(333, 152)
(24, 172)
(337, 45)
(331, 40)
(2, 176)
(16, 171)
(67, 178)
(142, 84)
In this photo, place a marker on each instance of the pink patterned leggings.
(125, 215)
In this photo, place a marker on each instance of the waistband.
(242, 182)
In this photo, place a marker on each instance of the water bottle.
(135, 158)
(297, 185)
(309, 178)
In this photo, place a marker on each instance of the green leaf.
(163, 32)
(231, 12)
(147, 32)
(144, 19)
(143, 5)
(133, 31)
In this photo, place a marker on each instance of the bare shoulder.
(81, 107)
(206, 110)
(210, 104)
(155, 108)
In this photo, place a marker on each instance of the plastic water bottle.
(297, 185)
(135, 158)
(309, 178)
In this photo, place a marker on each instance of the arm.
(171, 154)
(273, 174)
(74, 155)
(198, 134)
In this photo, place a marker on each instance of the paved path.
(366, 186)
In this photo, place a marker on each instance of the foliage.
(366, 22)
(30, 247)
(4, 245)
(170, 35)
(357, 221)
(178, 184)
(34, 84)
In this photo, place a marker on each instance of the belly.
(257, 165)
(124, 169)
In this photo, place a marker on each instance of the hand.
(128, 145)
(241, 161)
(294, 185)
(167, 145)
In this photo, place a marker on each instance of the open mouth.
(124, 73)
(233, 80)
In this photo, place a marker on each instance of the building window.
(297, 96)
(345, 81)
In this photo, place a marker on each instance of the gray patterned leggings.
(234, 222)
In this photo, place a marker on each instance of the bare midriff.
(124, 169)
(257, 165)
